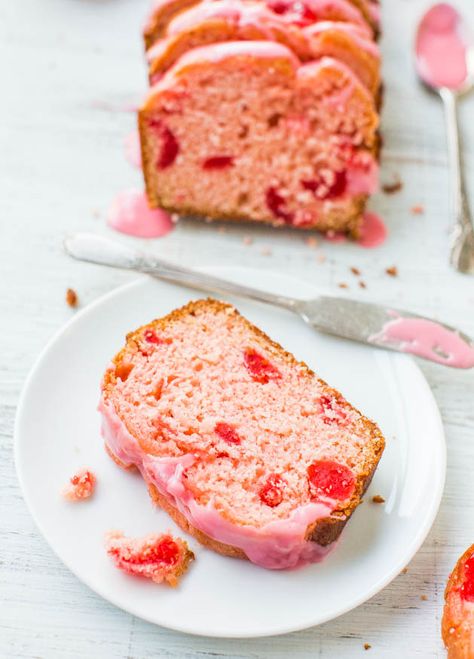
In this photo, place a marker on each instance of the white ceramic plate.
(57, 431)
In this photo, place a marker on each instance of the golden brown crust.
(324, 531)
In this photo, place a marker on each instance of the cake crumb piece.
(362, 284)
(311, 241)
(367, 646)
(405, 570)
(355, 271)
(377, 498)
(266, 251)
(418, 209)
(321, 258)
(392, 188)
(247, 240)
(424, 598)
(392, 271)
(343, 284)
(71, 297)
(81, 486)
(161, 558)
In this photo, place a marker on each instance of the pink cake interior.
(287, 143)
(284, 441)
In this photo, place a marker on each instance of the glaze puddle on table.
(130, 213)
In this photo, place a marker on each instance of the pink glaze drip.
(441, 48)
(373, 231)
(427, 339)
(224, 50)
(130, 213)
(358, 34)
(132, 149)
(277, 545)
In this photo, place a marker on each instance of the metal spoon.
(438, 58)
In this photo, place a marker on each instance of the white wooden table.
(68, 68)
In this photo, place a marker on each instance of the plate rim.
(405, 361)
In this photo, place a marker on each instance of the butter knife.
(365, 322)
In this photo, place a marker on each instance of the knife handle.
(98, 249)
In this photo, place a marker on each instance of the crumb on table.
(71, 297)
(343, 284)
(311, 241)
(392, 271)
(377, 498)
(362, 284)
(355, 271)
(392, 188)
(367, 646)
(418, 209)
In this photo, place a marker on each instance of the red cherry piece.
(259, 367)
(332, 410)
(150, 336)
(163, 552)
(330, 479)
(271, 492)
(279, 6)
(169, 144)
(227, 433)
(218, 162)
(276, 203)
(326, 189)
(467, 588)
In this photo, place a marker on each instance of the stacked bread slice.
(262, 110)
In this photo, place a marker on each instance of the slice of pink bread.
(244, 130)
(234, 20)
(302, 12)
(242, 445)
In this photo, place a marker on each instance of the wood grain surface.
(70, 69)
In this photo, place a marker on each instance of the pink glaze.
(358, 34)
(441, 48)
(130, 213)
(427, 339)
(132, 149)
(373, 231)
(221, 51)
(277, 545)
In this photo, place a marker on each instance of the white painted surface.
(61, 162)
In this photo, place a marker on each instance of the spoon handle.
(462, 234)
